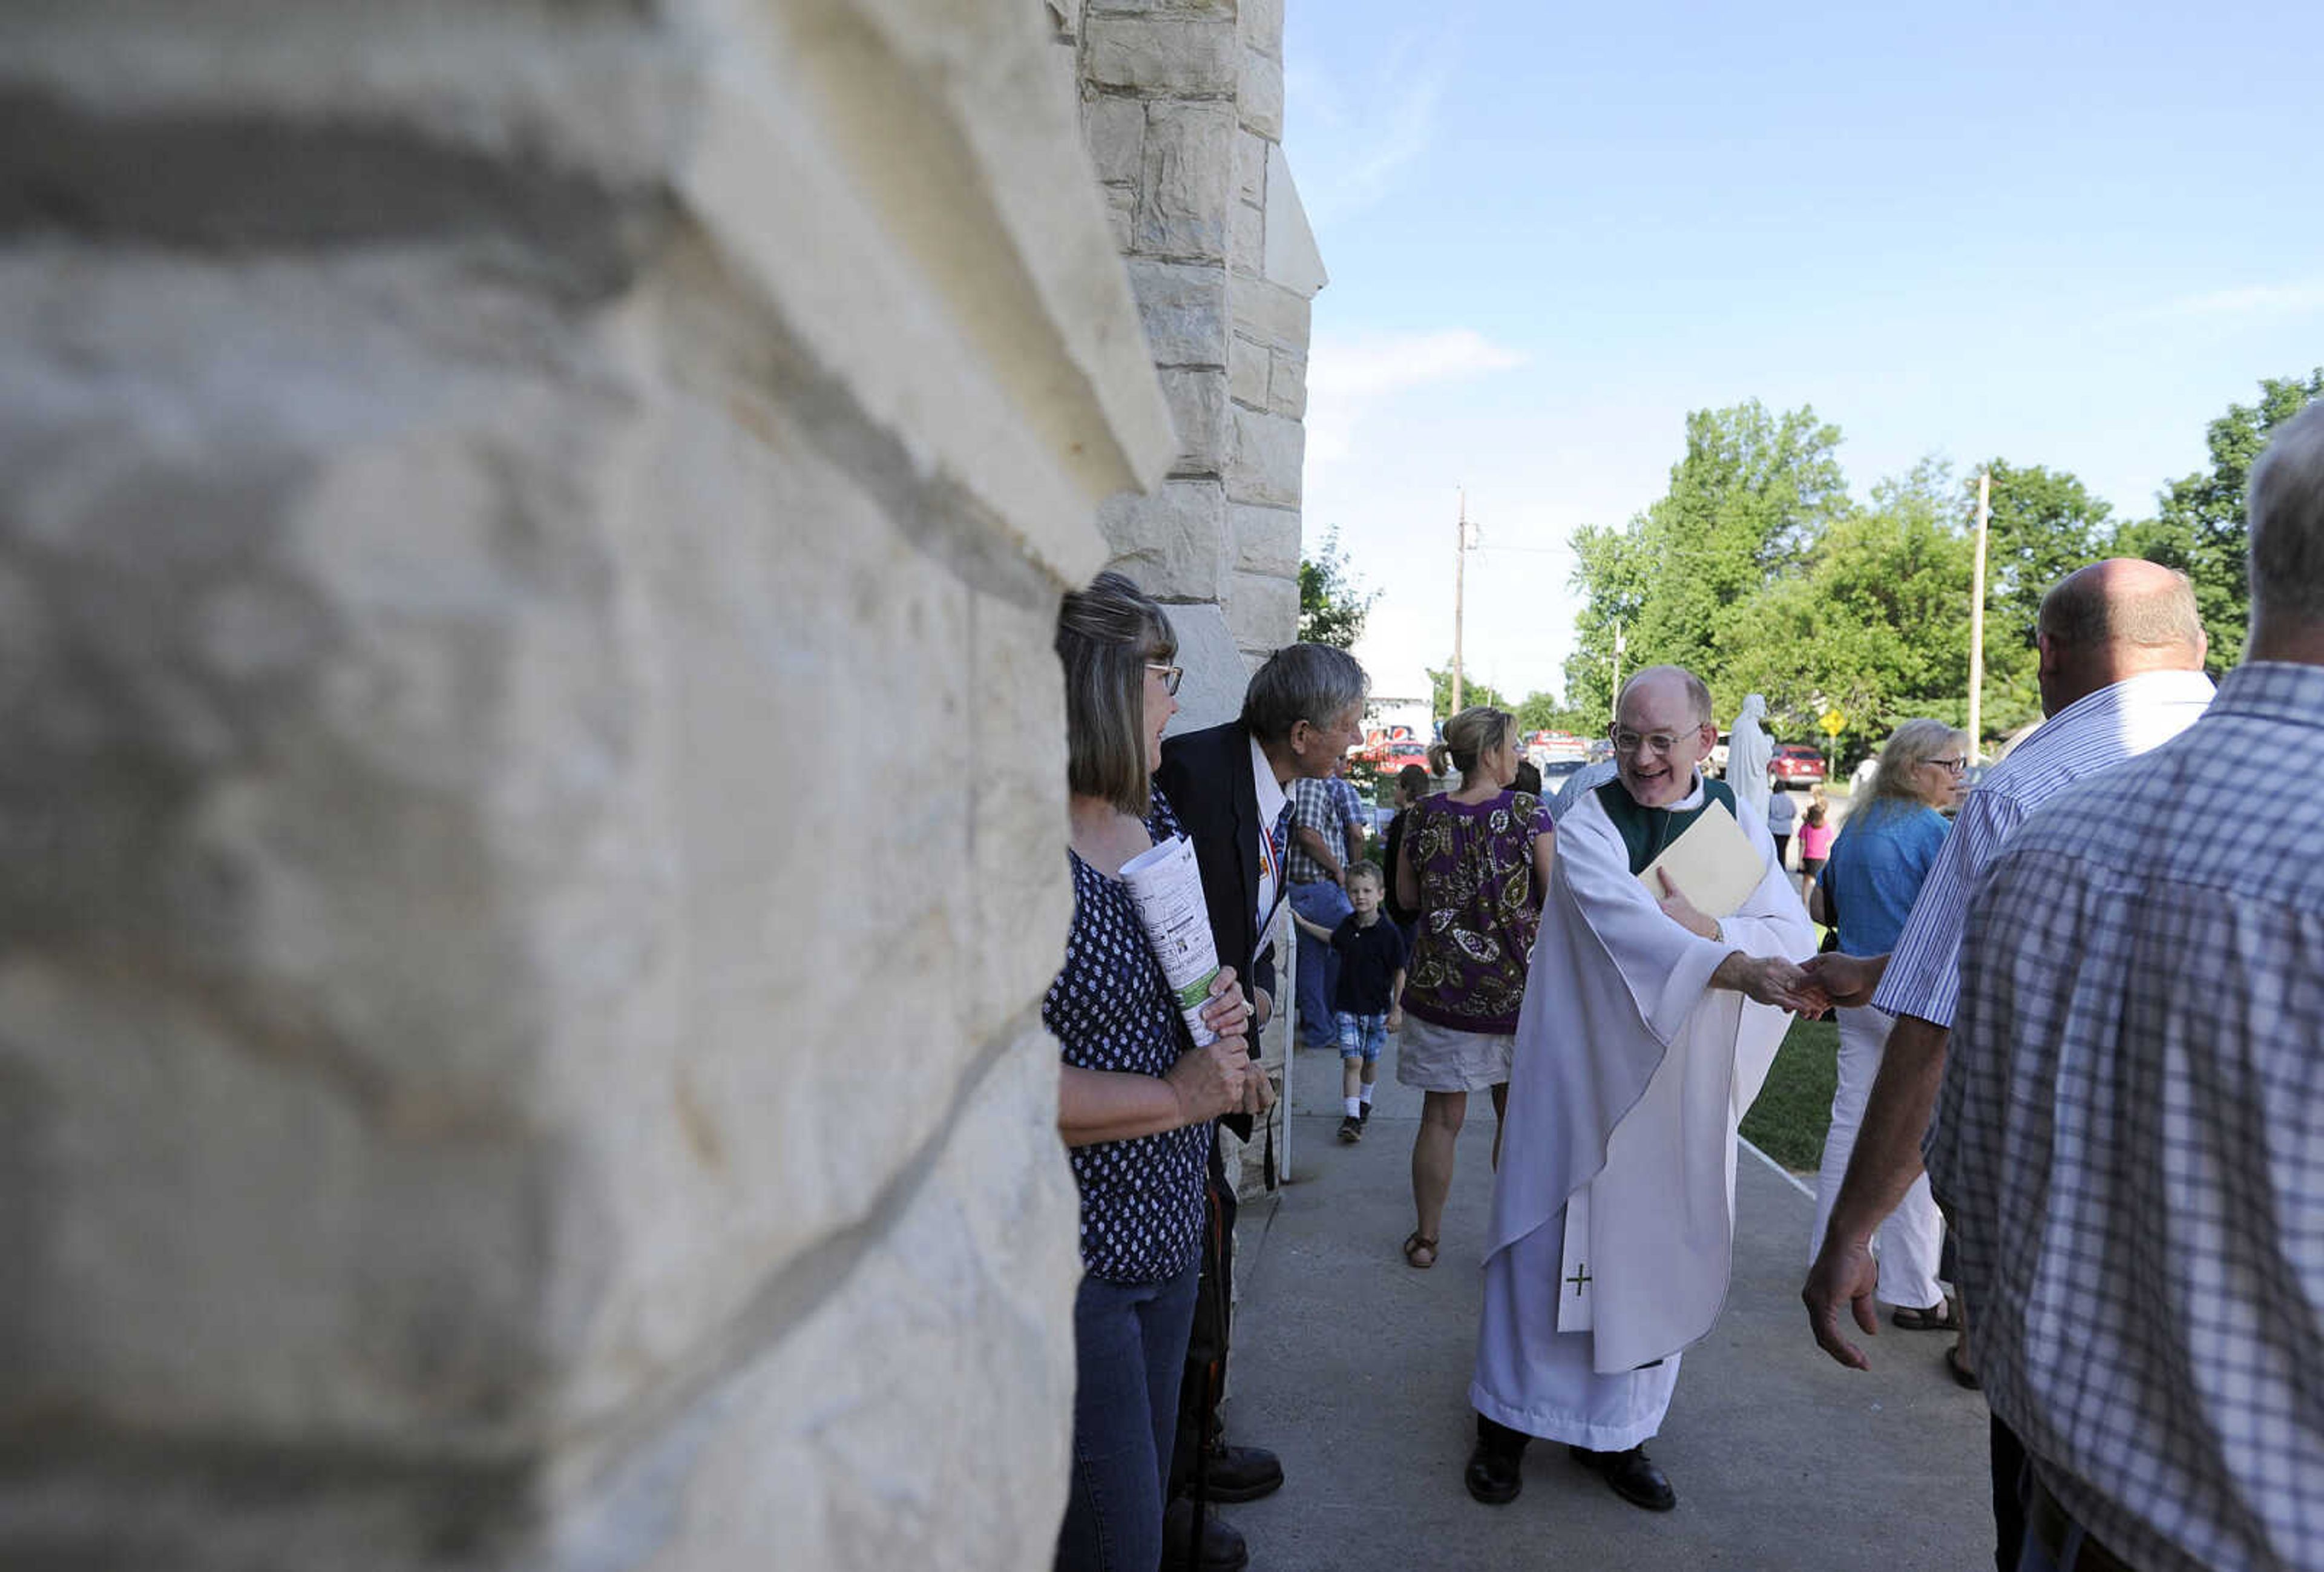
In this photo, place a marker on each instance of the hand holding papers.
(1708, 874)
(1713, 864)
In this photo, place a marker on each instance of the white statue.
(1748, 750)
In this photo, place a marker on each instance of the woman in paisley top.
(1135, 1098)
(1474, 863)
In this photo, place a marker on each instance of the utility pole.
(1615, 704)
(1976, 612)
(1459, 584)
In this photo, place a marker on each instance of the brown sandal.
(1937, 1317)
(1412, 1246)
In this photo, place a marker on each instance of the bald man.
(2122, 653)
(1648, 1026)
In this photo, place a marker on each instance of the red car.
(1399, 755)
(1794, 764)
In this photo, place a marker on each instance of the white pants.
(1908, 1242)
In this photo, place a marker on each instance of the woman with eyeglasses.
(1883, 852)
(1473, 863)
(1135, 1098)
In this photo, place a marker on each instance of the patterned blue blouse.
(1110, 1009)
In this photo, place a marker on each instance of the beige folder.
(1713, 863)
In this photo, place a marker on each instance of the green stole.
(1646, 831)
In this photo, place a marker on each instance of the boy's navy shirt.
(1369, 959)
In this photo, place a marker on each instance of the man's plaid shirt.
(2135, 1097)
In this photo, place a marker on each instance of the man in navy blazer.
(1301, 714)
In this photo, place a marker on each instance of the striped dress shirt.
(2100, 729)
(2135, 1111)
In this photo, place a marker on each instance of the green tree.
(2201, 529)
(1876, 628)
(1333, 605)
(2044, 523)
(1748, 503)
(1613, 573)
(1440, 683)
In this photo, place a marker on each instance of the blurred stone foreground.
(532, 783)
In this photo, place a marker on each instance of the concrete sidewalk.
(1355, 1368)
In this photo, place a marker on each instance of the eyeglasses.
(1956, 765)
(1625, 742)
(1171, 675)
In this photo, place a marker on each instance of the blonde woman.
(1473, 863)
(1883, 852)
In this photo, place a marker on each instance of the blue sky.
(2061, 234)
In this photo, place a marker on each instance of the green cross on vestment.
(1581, 1276)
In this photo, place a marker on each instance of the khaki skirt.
(1443, 1059)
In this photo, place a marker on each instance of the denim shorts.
(1361, 1036)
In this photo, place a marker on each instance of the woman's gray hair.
(2285, 508)
(1315, 683)
(1914, 745)
(1106, 635)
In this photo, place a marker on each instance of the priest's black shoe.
(1222, 1549)
(1492, 1476)
(1633, 1476)
(1240, 1473)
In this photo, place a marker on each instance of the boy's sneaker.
(1352, 1128)
(1364, 1118)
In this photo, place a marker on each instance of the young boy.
(1364, 999)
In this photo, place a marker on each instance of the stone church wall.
(1182, 101)
(529, 539)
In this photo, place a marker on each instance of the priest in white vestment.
(1648, 1026)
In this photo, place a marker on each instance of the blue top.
(1883, 852)
(1111, 1009)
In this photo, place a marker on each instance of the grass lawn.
(1787, 1122)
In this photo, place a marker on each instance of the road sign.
(1834, 723)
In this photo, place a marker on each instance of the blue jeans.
(1325, 904)
(1129, 1350)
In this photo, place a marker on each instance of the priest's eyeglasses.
(1629, 742)
(1171, 675)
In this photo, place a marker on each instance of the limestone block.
(1212, 691)
(1121, 216)
(1258, 98)
(1212, 8)
(1185, 192)
(1184, 306)
(914, 1403)
(1174, 56)
(1264, 462)
(1247, 251)
(1198, 404)
(1292, 259)
(1287, 388)
(1269, 312)
(1065, 17)
(1263, 611)
(1116, 129)
(1248, 371)
(460, 616)
(1262, 25)
(1266, 539)
(1172, 542)
(1251, 166)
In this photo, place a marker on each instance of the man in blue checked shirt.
(2133, 1131)
(2121, 672)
